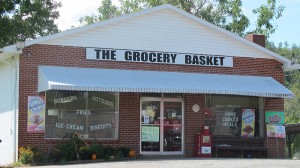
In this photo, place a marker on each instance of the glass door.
(172, 127)
(150, 126)
(161, 126)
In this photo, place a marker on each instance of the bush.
(65, 151)
(26, 155)
(85, 152)
(31, 155)
(109, 151)
(98, 150)
(123, 151)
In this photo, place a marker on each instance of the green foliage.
(123, 151)
(106, 11)
(68, 150)
(109, 151)
(266, 14)
(64, 151)
(224, 13)
(26, 19)
(31, 155)
(26, 155)
(85, 152)
(98, 150)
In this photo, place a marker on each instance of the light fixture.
(20, 45)
(28, 54)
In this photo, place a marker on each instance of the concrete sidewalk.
(188, 163)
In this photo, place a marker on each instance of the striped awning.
(112, 80)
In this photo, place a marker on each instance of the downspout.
(15, 104)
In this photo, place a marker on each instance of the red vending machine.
(203, 143)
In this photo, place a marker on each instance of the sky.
(287, 26)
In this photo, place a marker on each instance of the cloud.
(72, 10)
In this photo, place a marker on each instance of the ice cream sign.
(36, 114)
(274, 117)
(248, 121)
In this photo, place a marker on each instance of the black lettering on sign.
(221, 60)
(202, 60)
(106, 54)
(144, 56)
(166, 57)
(113, 55)
(173, 57)
(152, 57)
(209, 60)
(195, 60)
(136, 56)
(159, 57)
(216, 61)
(128, 56)
(97, 53)
(188, 59)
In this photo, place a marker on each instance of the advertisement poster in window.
(36, 114)
(275, 131)
(275, 117)
(248, 121)
(150, 134)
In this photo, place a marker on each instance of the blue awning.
(114, 80)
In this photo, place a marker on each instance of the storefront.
(148, 80)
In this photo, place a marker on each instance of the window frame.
(116, 112)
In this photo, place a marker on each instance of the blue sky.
(287, 26)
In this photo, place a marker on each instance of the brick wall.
(193, 121)
(276, 147)
(129, 102)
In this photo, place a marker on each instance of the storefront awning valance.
(112, 80)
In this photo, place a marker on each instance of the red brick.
(129, 105)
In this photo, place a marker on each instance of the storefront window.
(92, 115)
(234, 115)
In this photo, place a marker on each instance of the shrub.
(26, 154)
(85, 152)
(98, 150)
(64, 152)
(31, 155)
(109, 151)
(56, 155)
(123, 151)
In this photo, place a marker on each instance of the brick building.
(149, 80)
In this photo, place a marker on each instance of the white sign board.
(158, 57)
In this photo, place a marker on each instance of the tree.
(26, 19)
(227, 14)
(266, 14)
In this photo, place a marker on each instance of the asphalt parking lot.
(188, 163)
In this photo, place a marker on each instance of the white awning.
(112, 80)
